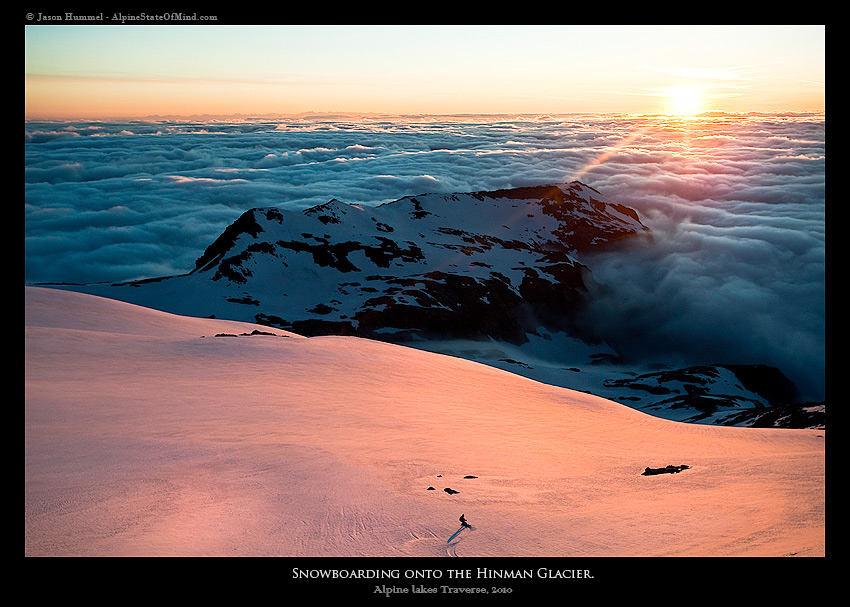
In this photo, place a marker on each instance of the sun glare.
(685, 100)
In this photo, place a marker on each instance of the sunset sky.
(136, 71)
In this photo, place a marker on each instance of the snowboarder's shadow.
(459, 536)
(463, 527)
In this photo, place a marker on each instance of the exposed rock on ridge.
(484, 264)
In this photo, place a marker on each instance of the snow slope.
(146, 434)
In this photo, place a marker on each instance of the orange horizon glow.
(61, 98)
(91, 72)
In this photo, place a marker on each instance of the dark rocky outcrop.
(665, 470)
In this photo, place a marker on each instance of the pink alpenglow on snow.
(154, 434)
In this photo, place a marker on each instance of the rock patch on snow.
(665, 470)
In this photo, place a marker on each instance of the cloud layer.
(736, 271)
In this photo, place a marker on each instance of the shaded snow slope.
(729, 395)
(145, 434)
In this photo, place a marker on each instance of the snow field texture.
(146, 434)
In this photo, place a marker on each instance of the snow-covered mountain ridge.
(497, 265)
(485, 265)
(489, 276)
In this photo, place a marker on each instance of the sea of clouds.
(735, 271)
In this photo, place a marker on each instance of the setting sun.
(685, 100)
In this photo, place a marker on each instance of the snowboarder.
(463, 522)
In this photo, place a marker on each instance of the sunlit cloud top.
(138, 71)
